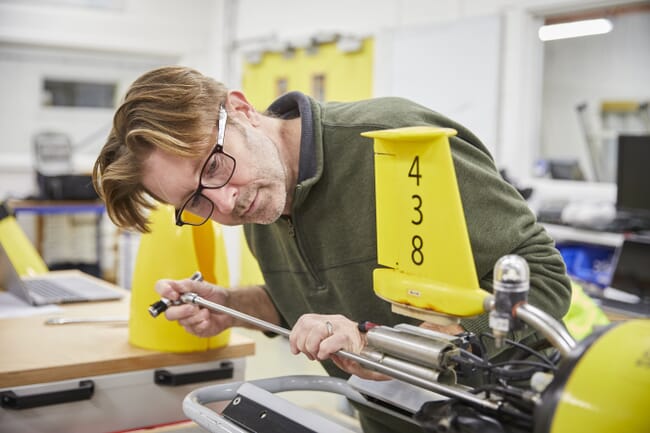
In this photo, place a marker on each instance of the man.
(300, 178)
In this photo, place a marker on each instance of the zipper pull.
(290, 228)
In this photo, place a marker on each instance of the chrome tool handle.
(159, 307)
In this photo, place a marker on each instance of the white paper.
(11, 306)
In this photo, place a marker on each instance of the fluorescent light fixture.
(575, 29)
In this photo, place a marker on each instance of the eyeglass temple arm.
(223, 115)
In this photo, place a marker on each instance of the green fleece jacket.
(321, 258)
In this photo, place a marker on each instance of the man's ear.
(236, 101)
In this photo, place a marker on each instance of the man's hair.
(173, 109)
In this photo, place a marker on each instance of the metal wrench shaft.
(449, 391)
(193, 298)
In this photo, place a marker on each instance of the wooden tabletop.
(32, 352)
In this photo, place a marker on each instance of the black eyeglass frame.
(218, 148)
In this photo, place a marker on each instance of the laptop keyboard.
(50, 290)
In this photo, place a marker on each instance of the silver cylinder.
(428, 352)
(446, 376)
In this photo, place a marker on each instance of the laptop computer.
(57, 287)
(629, 289)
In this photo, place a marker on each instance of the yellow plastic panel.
(19, 248)
(421, 231)
(436, 296)
(609, 388)
(348, 75)
(250, 272)
(173, 252)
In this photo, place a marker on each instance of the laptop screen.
(632, 267)
(9, 278)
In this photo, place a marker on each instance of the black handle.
(9, 399)
(166, 377)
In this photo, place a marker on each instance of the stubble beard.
(271, 193)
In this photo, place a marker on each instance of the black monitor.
(631, 267)
(633, 176)
(632, 275)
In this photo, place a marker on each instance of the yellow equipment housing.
(603, 386)
(176, 253)
(422, 237)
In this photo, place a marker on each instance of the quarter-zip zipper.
(291, 228)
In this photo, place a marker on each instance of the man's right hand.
(198, 321)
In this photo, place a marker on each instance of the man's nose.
(224, 198)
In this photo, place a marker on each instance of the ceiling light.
(575, 29)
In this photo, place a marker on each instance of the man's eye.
(213, 166)
(196, 201)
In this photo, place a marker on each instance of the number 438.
(417, 256)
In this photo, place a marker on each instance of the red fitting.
(366, 326)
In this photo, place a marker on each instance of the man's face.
(256, 193)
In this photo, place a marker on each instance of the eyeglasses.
(216, 173)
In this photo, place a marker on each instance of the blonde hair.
(173, 109)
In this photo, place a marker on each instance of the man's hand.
(198, 321)
(320, 336)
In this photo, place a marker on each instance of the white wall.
(60, 39)
(150, 27)
(418, 63)
(613, 66)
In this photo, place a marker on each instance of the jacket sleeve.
(499, 222)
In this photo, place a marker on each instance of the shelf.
(566, 233)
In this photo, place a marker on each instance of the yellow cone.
(176, 253)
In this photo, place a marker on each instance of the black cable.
(506, 371)
(525, 362)
(484, 351)
(515, 392)
(555, 357)
(513, 375)
(499, 370)
(521, 374)
(522, 347)
(517, 397)
(473, 356)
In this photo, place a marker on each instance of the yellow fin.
(421, 230)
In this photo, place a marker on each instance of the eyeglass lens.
(216, 173)
(217, 170)
(200, 206)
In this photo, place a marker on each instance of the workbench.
(38, 358)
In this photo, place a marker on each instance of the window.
(59, 93)
(318, 87)
(281, 86)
